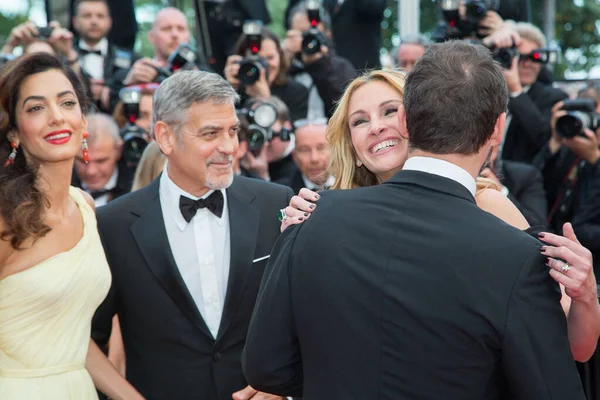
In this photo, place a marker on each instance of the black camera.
(542, 56)
(457, 26)
(44, 32)
(313, 39)
(134, 138)
(475, 10)
(581, 114)
(251, 66)
(261, 116)
(505, 56)
(184, 57)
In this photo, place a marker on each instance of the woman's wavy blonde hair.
(342, 162)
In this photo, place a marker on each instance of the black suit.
(526, 190)
(529, 128)
(418, 295)
(170, 353)
(124, 181)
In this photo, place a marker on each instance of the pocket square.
(260, 259)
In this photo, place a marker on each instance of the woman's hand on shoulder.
(300, 208)
(88, 198)
(497, 204)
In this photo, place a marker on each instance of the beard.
(222, 181)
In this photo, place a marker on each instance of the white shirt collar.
(102, 46)
(311, 185)
(441, 168)
(172, 193)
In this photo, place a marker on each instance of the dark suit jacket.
(170, 353)
(526, 190)
(529, 128)
(124, 181)
(419, 295)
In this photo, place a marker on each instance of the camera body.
(184, 57)
(581, 115)
(252, 64)
(44, 32)
(261, 116)
(313, 39)
(134, 138)
(457, 26)
(505, 56)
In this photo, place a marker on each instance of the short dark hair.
(80, 2)
(453, 98)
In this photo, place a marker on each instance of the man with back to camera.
(410, 290)
(187, 252)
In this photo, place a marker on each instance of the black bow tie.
(214, 203)
(100, 193)
(85, 52)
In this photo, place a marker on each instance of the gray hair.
(531, 32)
(301, 8)
(418, 39)
(102, 125)
(183, 89)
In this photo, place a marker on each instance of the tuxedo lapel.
(151, 237)
(243, 225)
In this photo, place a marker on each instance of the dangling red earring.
(84, 146)
(12, 155)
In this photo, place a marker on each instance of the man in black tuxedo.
(187, 252)
(100, 59)
(531, 101)
(407, 289)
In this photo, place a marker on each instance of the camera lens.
(264, 115)
(311, 43)
(133, 148)
(249, 72)
(256, 139)
(572, 124)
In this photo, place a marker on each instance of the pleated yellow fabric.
(45, 320)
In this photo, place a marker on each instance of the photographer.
(410, 50)
(144, 119)
(271, 159)
(530, 103)
(313, 60)
(571, 172)
(51, 39)
(100, 60)
(271, 68)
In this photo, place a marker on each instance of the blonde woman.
(367, 149)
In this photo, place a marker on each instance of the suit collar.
(432, 182)
(442, 168)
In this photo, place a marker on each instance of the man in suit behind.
(530, 105)
(408, 289)
(187, 252)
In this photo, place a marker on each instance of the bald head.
(169, 30)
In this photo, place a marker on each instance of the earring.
(84, 147)
(12, 155)
(358, 163)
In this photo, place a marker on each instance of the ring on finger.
(282, 216)
(565, 268)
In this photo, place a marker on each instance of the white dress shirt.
(201, 249)
(312, 186)
(93, 64)
(442, 168)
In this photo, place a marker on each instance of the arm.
(534, 123)
(106, 378)
(271, 360)
(331, 74)
(536, 355)
(583, 314)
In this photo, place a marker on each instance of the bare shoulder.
(88, 199)
(497, 204)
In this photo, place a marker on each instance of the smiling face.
(49, 118)
(201, 155)
(374, 129)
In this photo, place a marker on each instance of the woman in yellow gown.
(53, 272)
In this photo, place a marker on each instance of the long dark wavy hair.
(22, 203)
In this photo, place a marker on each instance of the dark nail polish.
(301, 219)
(312, 206)
(543, 249)
(541, 234)
(306, 214)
